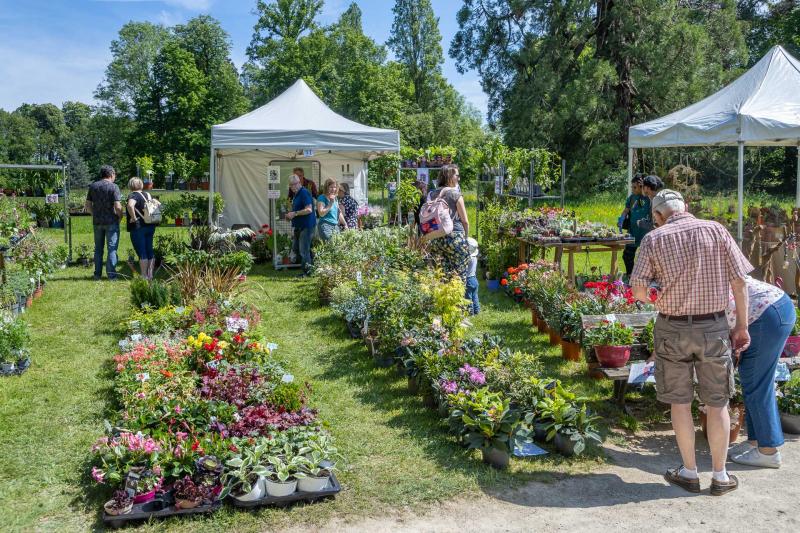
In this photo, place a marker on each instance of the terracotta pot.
(571, 351)
(286, 261)
(29, 301)
(792, 347)
(148, 185)
(192, 186)
(534, 318)
(613, 356)
(37, 293)
(204, 185)
(737, 421)
(178, 221)
(555, 339)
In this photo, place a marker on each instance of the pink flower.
(98, 475)
(178, 409)
(181, 436)
(140, 395)
(178, 451)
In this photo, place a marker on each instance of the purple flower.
(450, 387)
(98, 474)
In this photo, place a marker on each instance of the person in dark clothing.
(303, 221)
(103, 202)
(423, 189)
(349, 206)
(637, 207)
(311, 187)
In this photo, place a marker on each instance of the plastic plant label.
(308, 152)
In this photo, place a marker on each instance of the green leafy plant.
(609, 334)
(244, 468)
(13, 337)
(485, 420)
(646, 336)
(151, 294)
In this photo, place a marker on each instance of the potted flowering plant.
(486, 422)
(121, 503)
(13, 336)
(789, 404)
(612, 343)
(188, 495)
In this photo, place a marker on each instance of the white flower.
(136, 337)
(272, 347)
(144, 376)
(287, 378)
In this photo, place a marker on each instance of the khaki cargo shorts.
(701, 349)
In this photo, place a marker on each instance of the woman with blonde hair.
(330, 216)
(141, 233)
(452, 251)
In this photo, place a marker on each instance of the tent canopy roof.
(760, 108)
(297, 119)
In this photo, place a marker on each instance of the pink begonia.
(178, 409)
(181, 436)
(141, 395)
(98, 475)
(100, 443)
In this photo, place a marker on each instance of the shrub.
(151, 294)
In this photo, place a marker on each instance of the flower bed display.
(207, 411)
(413, 316)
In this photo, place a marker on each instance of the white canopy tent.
(295, 126)
(760, 108)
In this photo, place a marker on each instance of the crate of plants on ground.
(206, 408)
(412, 316)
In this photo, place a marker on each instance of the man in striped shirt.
(694, 263)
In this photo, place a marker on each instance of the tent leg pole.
(740, 190)
(797, 194)
(630, 170)
(212, 186)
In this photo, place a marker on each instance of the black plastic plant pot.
(495, 458)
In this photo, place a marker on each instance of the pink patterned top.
(760, 296)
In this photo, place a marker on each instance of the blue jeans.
(472, 295)
(106, 235)
(757, 367)
(304, 240)
(142, 240)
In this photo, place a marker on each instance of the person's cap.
(473, 247)
(663, 196)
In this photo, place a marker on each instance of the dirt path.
(629, 495)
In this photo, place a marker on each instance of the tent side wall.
(242, 182)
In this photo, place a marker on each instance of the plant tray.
(331, 489)
(578, 239)
(148, 510)
(18, 369)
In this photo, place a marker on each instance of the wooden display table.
(573, 247)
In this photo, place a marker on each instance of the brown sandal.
(718, 488)
(673, 476)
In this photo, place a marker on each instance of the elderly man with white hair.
(694, 264)
(303, 220)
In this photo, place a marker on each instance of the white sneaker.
(739, 449)
(753, 457)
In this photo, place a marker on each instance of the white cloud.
(169, 18)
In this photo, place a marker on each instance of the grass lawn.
(398, 453)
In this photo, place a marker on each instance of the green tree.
(573, 76)
(416, 42)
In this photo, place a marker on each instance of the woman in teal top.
(638, 207)
(330, 216)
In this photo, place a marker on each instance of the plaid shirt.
(693, 262)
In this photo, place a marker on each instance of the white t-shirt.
(473, 267)
(760, 296)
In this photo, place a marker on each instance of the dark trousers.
(628, 257)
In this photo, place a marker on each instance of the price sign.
(308, 152)
(51, 199)
(273, 195)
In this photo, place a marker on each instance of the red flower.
(511, 270)
(652, 294)
(517, 290)
(504, 282)
(269, 232)
(265, 225)
(513, 277)
(166, 373)
(218, 333)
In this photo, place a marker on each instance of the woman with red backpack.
(450, 248)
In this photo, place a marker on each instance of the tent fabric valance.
(297, 120)
(760, 108)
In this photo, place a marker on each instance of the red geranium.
(504, 282)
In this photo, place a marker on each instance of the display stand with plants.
(611, 342)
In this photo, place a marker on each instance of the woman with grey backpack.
(448, 248)
(143, 214)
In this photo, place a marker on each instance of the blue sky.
(57, 50)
